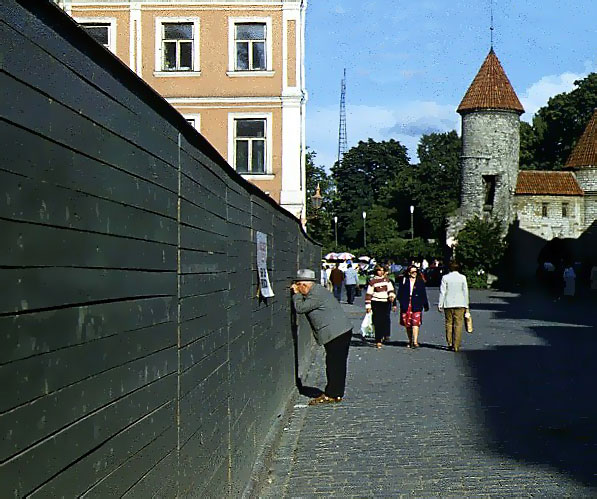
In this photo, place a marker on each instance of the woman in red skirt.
(412, 296)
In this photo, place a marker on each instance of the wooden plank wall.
(135, 358)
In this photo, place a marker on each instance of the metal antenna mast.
(342, 142)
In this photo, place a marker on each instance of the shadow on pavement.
(308, 391)
(537, 402)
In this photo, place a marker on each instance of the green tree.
(432, 186)
(557, 127)
(360, 178)
(480, 249)
(319, 221)
(436, 187)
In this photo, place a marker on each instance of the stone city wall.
(529, 210)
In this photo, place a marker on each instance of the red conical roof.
(585, 151)
(490, 89)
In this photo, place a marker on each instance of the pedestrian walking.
(351, 279)
(569, 277)
(324, 276)
(453, 302)
(331, 328)
(379, 299)
(412, 297)
(337, 278)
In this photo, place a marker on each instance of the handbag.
(367, 329)
(468, 321)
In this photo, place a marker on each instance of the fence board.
(32, 289)
(44, 416)
(115, 467)
(40, 332)
(28, 200)
(40, 463)
(25, 245)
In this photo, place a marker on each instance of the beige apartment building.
(234, 69)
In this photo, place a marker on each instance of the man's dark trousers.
(338, 291)
(350, 292)
(336, 356)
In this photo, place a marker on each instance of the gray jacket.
(324, 313)
(453, 291)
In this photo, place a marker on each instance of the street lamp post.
(364, 229)
(336, 231)
(412, 227)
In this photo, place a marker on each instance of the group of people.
(411, 296)
(561, 278)
(337, 277)
(332, 329)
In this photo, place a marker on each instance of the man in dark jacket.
(337, 278)
(331, 328)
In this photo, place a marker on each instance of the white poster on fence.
(264, 285)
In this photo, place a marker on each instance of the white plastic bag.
(367, 330)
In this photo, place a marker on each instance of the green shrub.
(480, 249)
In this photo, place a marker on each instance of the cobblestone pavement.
(512, 415)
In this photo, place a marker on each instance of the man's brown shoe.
(324, 399)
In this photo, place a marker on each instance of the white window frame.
(196, 117)
(159, 56)
(110, 21)
(232, 117)
(232, 22)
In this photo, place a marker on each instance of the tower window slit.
(489, 182)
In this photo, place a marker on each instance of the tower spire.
(342, 141)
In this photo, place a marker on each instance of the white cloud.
(339, 10)
(537, 95)
(405, 123)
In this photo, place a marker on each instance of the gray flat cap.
(305, 275)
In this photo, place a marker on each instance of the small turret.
(490, 113)
(583, 161)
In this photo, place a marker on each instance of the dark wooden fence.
(135, 358)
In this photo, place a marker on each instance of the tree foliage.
(436, 189)
(360, 178)
(480, 249)
(432, 186)
(556, 128)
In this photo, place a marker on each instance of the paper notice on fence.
(264, 285)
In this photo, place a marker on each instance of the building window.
(194, 120)
(250, 47)
(102, 30)
(564, 210)
(250, 145)
(544, 209)
(177, 46)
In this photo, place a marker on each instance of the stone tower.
(583, 161)
(490, 113)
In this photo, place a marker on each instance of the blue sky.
(409, 63)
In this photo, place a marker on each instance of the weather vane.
(491, 26)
